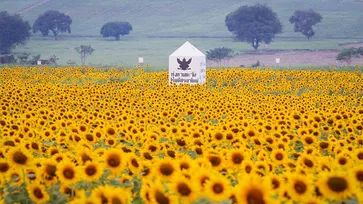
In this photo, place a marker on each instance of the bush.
(219, 54)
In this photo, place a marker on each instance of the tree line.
(15, 31)
(252, 24)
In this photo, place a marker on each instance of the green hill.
(342, 18)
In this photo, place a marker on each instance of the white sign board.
(187, 65)
(141, 60)
(277, 60)
(39, 62)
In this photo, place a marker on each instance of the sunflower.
(186, 189)
(279, 156)
(252, 190)
(48, 171)
(4, 166)
(115, 160)
(66, 190)
(299, 187)
(100, 192)
(118, 195)
(91, 171)
(236, 158)
(67, 172)
(357, 173)
(308, 162)
(336, 185)
(134, 164)
(37, 193)
(19, 157)
(145, 193)
(217, 189)
(156, 193)
(166, 168)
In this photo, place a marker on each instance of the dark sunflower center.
(255, 196)
(116, 201)
(37, 192)
(203, 180)
(51, 169)
(135, 163)
(111, 131)
(4, 167)
(237, 158)
(337, 184)
(35, 146)
(91, 170)
(324, 145)
(359, 176)
(166, 169)
(214, 160)
(279, 156)
(68, 173)
(342, 161)
(218, 136)
(89, 137)
(308, 163)
(160, 198)
(184, 189)
(114, 161)
(20, 158)
(300, 187)
(184, 165)
(275, 183)
(360, 156)
(218, 188)
(86, 158)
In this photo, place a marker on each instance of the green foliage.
(304, 21)
(115, 29)
(13, 31)
(346, 55)
(84, 51)
(254, 24)
(219, 54)
(53, 21)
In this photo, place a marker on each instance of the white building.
(187, 65)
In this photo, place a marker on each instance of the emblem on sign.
(184, 64)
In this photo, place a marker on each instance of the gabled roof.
(187, 49)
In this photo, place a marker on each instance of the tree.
(304, 21)
(219, 54)
(53, 21)
(254, 24)
(84, 51)
(115, 29)
(13, 31)
(346, 55)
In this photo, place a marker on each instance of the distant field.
(342, 18)
(155, 50)
(161, 26)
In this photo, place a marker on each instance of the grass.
(154, 50)
(341, 18)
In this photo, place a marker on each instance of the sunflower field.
(96, 135)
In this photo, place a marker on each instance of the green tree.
(13, 31)
(254, 24)
(304, 21)
(219, 54)
(115, 29)
(53, 21)
(346, 55)
(84, 51)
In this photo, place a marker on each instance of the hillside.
(342, 18)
